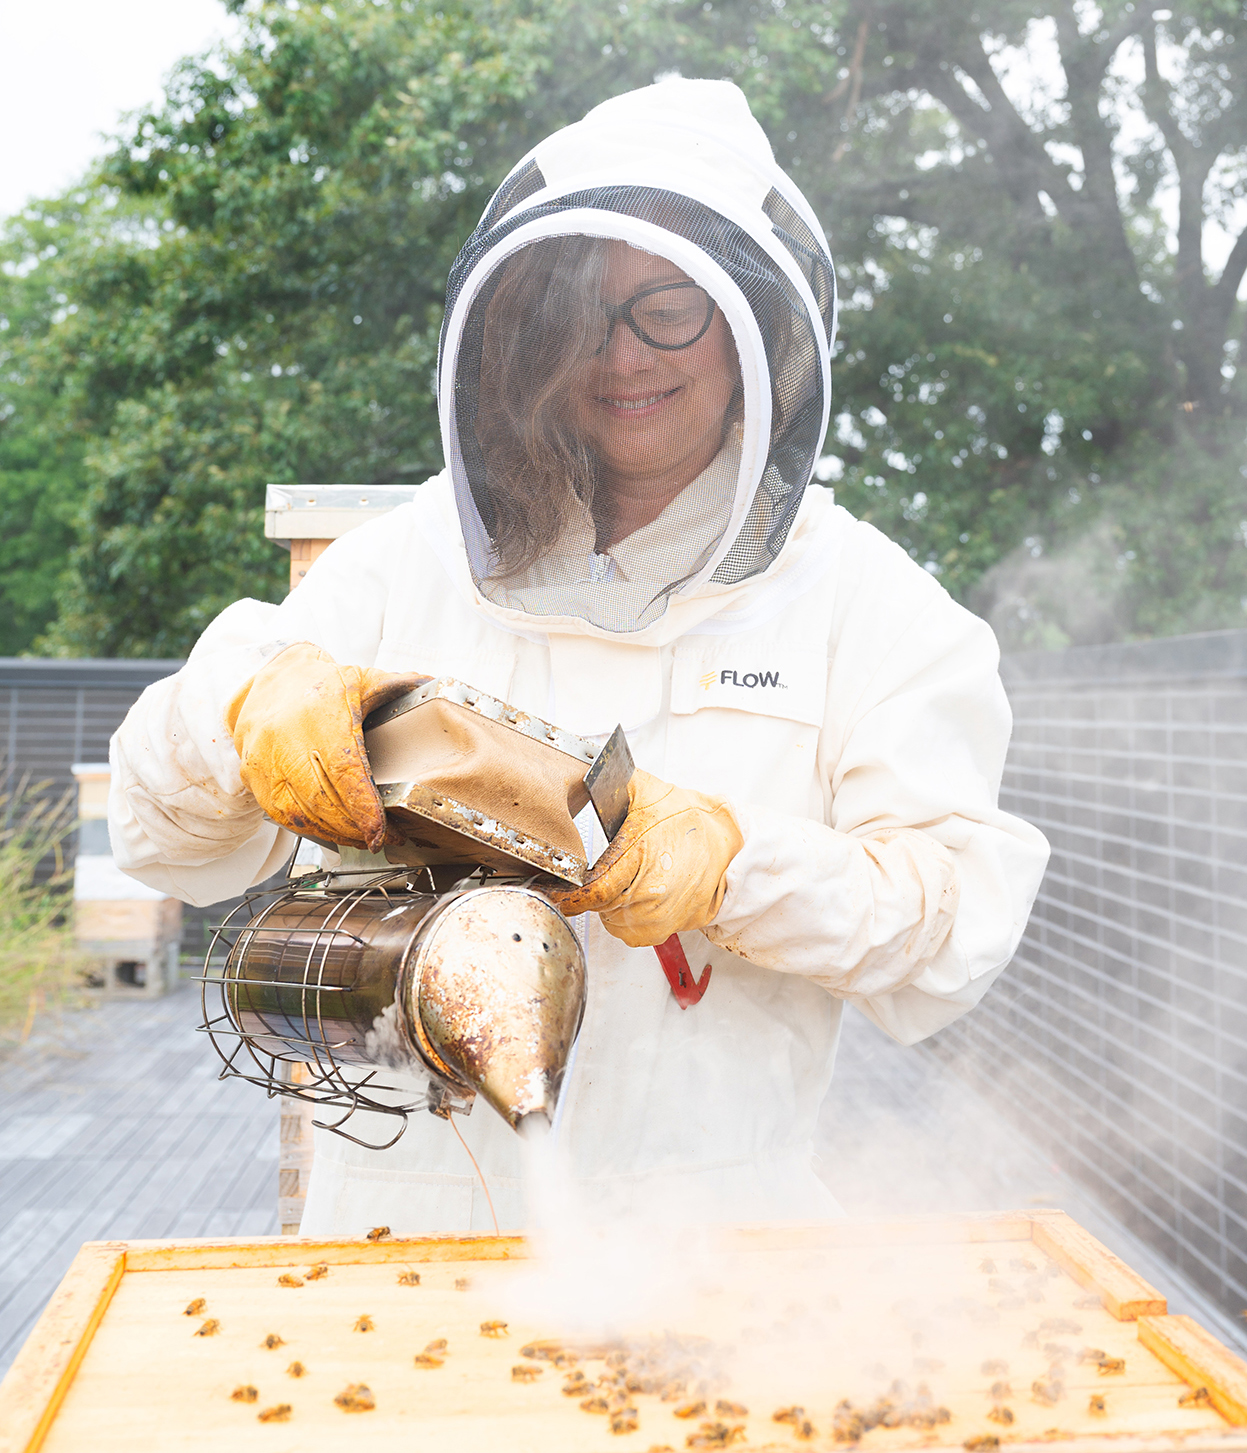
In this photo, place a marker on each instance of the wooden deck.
(114, 1125)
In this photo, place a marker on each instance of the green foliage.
(40, 965)
(251, 286)
(40, 457)
(1160, 550)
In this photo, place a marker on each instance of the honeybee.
(547, 1350)
(848, 1425)
(364, 1324)
(462, 1283)
(673, 1391)
(982, 1444)
(1092, 1354)
(296, 1369)
(525, 1372)
(690, 1410)
(617, 1359)
(1088, 1302)
(624, 1420)
(209, 1329)
(409, 1278)
(286, 1280)
(726, 1409)
(1030, 1339)
(1001, 1390)
(245, 1394)
(805, 1430)
(272, 1341)
(1108, 1366)
(716, 1435)
(314, 1273)
(356, 1398)
(429, 1359)
(378, 1233)
(994, 1367)
(988, 1265)
(279, 1413)
(193, 1309)
(998, 1284)
(1020, 1263)
(1046, 1391)
(596, 1405)
(493, 1329)
(437, 1348)
(576, 1383)
(1000, 1414)
(1061, 1326)
(1197, 1397)
(1096, 1405)
(791, 1415)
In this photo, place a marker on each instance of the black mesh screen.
(791, 338)
(523, 183)
(811, 256)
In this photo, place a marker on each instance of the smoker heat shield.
(475, 782)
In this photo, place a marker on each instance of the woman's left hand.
(665, 870)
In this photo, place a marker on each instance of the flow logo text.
(728, 677)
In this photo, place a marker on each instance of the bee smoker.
(440, 961)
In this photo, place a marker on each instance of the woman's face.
(649, 413)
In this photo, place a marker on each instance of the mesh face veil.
(634, 369)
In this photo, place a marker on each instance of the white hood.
(679, 169)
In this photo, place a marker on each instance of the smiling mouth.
(636, 406)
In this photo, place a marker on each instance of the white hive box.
(306, 518)
(135, 930)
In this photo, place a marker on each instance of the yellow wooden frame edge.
(35, 1386)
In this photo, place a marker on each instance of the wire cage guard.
(385, 976)
(300, 976)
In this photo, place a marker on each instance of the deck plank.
(117, 1126)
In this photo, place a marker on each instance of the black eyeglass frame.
(622, 313)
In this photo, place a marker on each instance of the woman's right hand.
(298, 728)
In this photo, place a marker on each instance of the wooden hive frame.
(40, 1378)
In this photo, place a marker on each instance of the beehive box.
(943, 1322)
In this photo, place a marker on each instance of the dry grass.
(41, 967)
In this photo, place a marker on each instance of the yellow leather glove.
(665, 869)
(298, 728)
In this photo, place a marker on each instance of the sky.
(70, 68)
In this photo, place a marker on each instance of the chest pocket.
(745, 722)
(787, 683)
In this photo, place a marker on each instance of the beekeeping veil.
(678, 171)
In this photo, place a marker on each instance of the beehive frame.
(36, 1386)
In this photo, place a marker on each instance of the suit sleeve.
(180, 818)
(912, 897)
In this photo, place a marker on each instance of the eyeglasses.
(669, 316)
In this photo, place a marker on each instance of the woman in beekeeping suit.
(634, 388)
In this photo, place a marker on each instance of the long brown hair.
(541, 327)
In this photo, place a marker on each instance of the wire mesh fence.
(1118, 1037)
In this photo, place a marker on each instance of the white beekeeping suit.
(755, 641)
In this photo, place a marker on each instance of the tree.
(40, 457)
(1024, 361)
(1020, 323)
